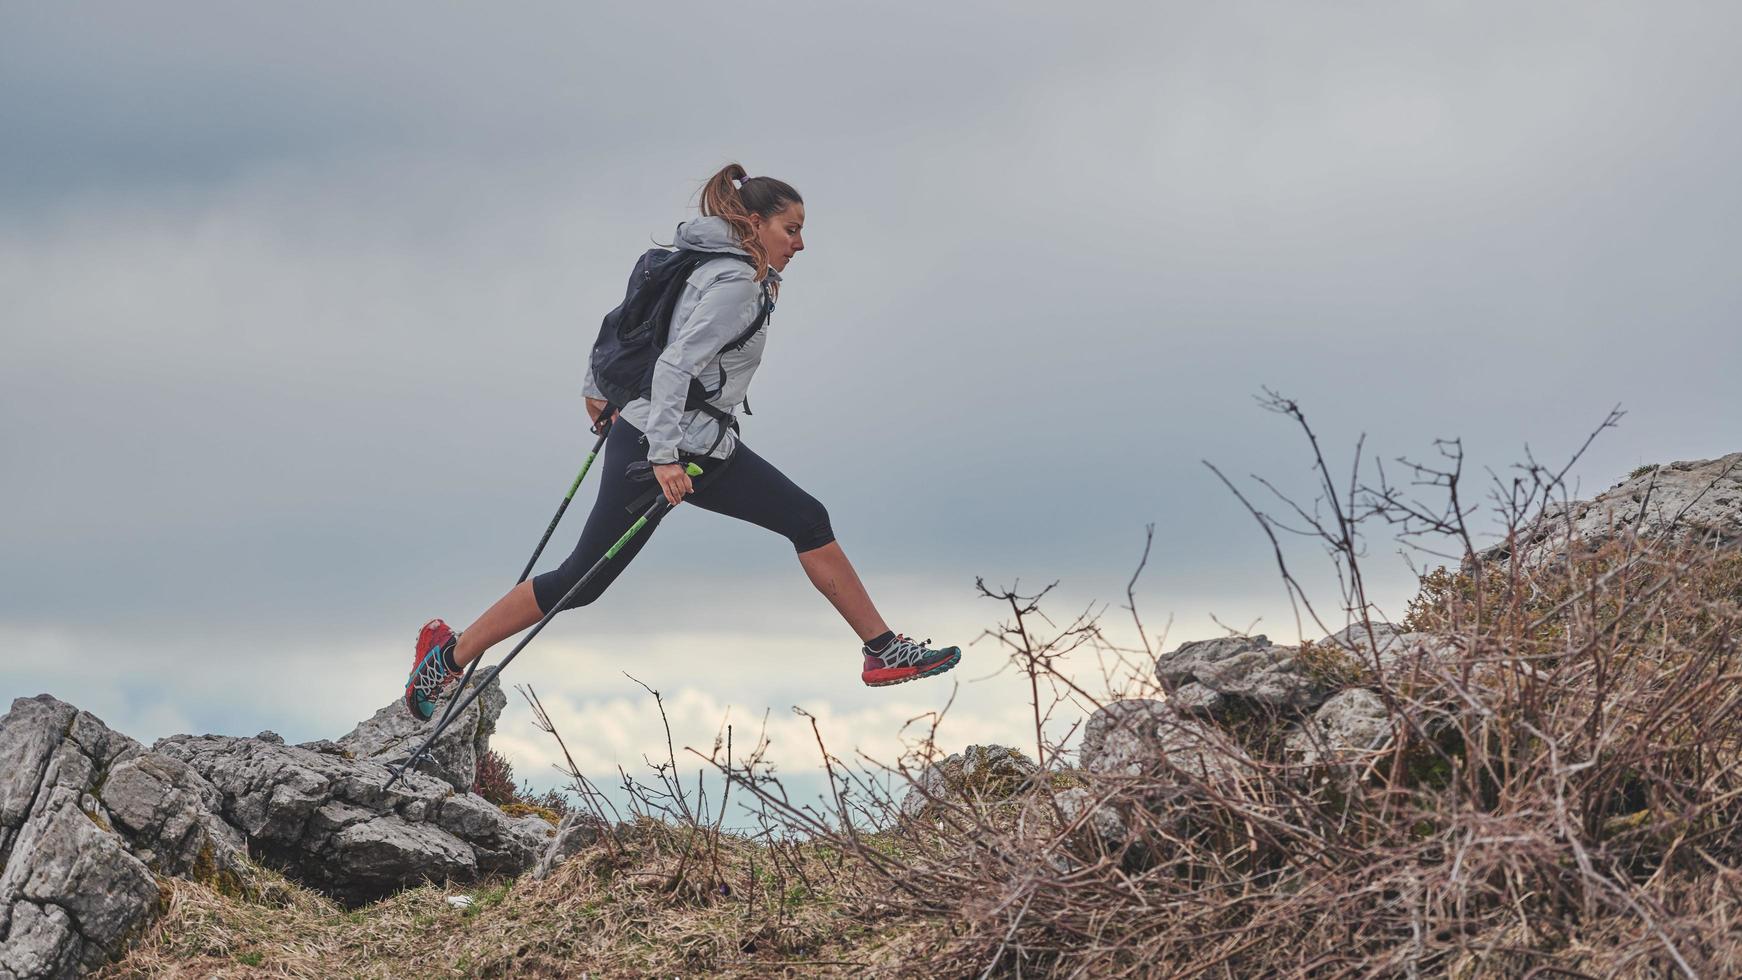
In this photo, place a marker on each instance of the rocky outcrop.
(327, 822)
(390, 735)
(1696, 500)
(90, 820)
(1162, 750)
(1237, 675)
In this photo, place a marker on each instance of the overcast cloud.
(297, 301)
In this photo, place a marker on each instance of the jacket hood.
(712, 234)
(709, 234)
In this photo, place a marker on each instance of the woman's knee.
(550, 589)
(810, 526)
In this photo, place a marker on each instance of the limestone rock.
(1706, 494)
(89, 819)
(977, 774)
(1192, 661)
(391, 735)
(1194, 700)
(86, 818)
(1397, 648)
(327, 821)
(578, 831)
(1247, 668)
(1144, 737)
(1350, 724)
(1104, 827)
(171, 814)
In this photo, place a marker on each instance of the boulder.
(977, 774)
(170, 814)
(1194, 700)
(390, 735)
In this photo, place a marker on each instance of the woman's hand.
(595, 408)
(674, 481)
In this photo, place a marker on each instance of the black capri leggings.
(748, 488)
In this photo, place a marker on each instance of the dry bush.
(1560, 794)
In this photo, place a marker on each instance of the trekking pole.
(457, 704)
(604, 431)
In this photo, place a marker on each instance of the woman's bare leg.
(512, 613)
(833, 575)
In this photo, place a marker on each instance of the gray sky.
(297, 301)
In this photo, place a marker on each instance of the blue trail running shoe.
(429, 668)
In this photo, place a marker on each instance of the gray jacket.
(719, 301)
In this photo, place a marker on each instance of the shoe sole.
(933, 672)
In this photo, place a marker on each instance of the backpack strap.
(697, 399)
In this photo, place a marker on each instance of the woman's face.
(781, 235)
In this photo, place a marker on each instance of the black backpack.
(633, 335)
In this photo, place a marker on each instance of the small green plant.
(251, 958)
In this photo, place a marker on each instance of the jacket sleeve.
(724, 309)
(590, 388)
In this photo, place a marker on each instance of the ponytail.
(734, 195)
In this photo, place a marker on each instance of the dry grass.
(642, 907)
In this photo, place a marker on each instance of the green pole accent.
(583, 474)
(640, 522)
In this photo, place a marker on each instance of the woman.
(711, 340)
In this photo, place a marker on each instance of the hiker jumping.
(680, 416)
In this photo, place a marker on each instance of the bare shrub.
(1559, 793)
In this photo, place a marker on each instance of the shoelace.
(904, 652)
(430, 676)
